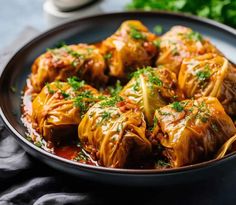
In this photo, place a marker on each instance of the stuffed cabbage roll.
(179, 43)
(192, 131)
(228, 147)
(83, 61)
(58, 108)
(130, 47)
(113, 132)
(209, 75)
(152, 88)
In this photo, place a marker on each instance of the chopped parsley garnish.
(195, 36)
(154, 79)
(137, 73)
(38, 144)
(105, 116)
(150, 73)
(204, 74)
(87, 94)
(110, 102)
(59, 86)
(50, 91)
(81, 104)
(136, 85)
(64, 94)
(178, 106)
(175, 51)
(74, 63)
(107, 56)
(29, 138)
(90, 50)
(79, 101)
(157, 43)
(13, 89)
(72, 52)
(60, 44)
(214, 127)
(155, 121)
(102, 97)
(203, 112)
(163, 113)
(81, 157)
(162, 163)
(115, 90)
(75, 83)
(136, 34)
(158, 29)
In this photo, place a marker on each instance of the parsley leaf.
(158, 29)
(150, 73)
(195, 36)
(38, 144)
(50, 91)
(75, 83)
(105, 116)
(80, 157)
(219, 10)
(204, 74)
(177, 106)
(110, 102)
(115, 90)
(72, 52)
(136, 34)
(157, 43)
(107, 56)
(79, 101)
(162, 163)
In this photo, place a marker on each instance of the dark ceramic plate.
(94, 29)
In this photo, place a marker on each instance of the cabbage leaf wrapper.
(192, 131)
(152, 88)
(209, 75)
(179, 43)
(226, 147)
(81, 60)
(113, 132)
(130, 47)
(59, 107)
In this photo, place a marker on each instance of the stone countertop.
(16, 15)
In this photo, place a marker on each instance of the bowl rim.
(51, 31)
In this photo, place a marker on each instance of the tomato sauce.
(71, 151)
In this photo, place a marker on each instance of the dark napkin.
(25, 180)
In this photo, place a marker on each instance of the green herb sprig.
(114, 90)
(110, 102)
(195, 36)
(136, 34)
(219, 10)
(178, 106)
(204, 75)
(150, 73)
(75, 83)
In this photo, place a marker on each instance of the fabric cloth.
(25, 180)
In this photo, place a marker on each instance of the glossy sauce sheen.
(168, 114)
(71, 152)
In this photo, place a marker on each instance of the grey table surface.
(16, 15)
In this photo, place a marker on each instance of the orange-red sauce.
(71, 152)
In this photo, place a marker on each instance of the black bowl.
(94, 29)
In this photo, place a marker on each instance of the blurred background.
(34, 16)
